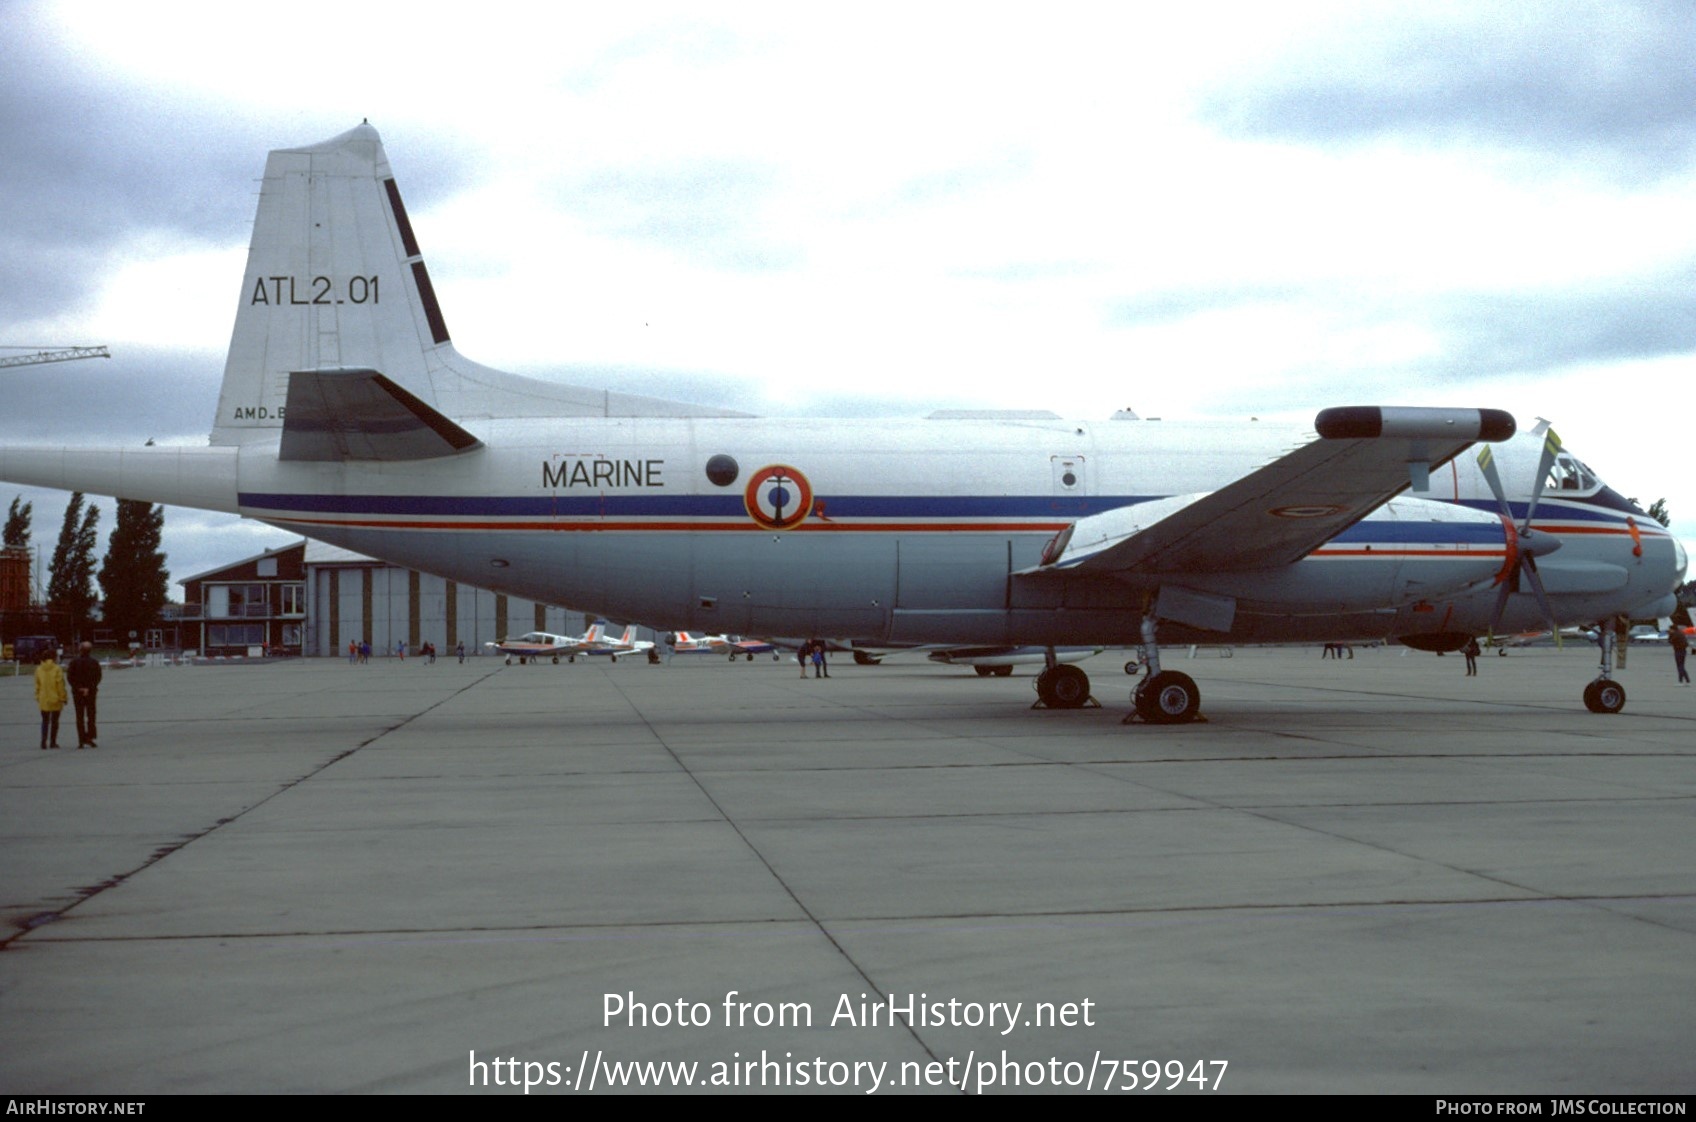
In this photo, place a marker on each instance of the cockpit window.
(1570, 475)
(534, 637)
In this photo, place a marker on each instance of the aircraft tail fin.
(335, 281)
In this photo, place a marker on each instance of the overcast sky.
(1226, 210)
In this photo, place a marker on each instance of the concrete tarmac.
(1373, 875)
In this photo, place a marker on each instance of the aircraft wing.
(1365, 456)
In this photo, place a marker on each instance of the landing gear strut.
(1604, 695)
(1164, 697)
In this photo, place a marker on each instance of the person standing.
(84, 674)
(820, 670)
(801, 656)
(1680, 647)
(50, 697)
(1472, 651)
(459, 649)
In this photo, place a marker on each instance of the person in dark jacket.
(84, 676)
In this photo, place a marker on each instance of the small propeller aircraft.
(621, 644)
(347, 414)
(543, 644)
(732, 646)
(533, 645)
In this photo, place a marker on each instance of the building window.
(293, 599)
(236, 601)
(235, 635)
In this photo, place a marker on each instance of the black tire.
(1168, 698)
(556, 660)
(1604, 695)
(1003, 671)
(1063, 687)
(983, 671)
(1131, 667)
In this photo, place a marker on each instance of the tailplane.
(335, 282)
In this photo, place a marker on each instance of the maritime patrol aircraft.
(347, 414)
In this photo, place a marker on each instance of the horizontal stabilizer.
(335, 415)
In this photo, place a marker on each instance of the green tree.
(133, 575)
(1657, 510)
(71, 589)
(17, 524)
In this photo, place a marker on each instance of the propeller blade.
(1487, 464)
(1551, 448)
(1530, 568)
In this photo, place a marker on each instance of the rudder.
(334, 281)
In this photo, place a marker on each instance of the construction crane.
(64, 354)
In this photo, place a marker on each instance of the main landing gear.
(1061, 685)
(1604, 695)
(1163, 697)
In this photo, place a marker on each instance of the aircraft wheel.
(1063, 687)
(861, 658)
(750, 656)
(614, 657)
(1604, 696)
(1131, 667)
(983, 671)
(1501, 652)
(509, 660)
(556, 660)
(773, 656)
(571, 658)
(1003, 671)
(1168, 698)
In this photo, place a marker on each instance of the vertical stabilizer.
(334, 281)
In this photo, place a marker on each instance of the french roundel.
(778, 497)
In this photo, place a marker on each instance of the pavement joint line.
(726, 928)
(818, 923)
(42, 919)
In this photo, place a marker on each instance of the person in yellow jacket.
(50, 698)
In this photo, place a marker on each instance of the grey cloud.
(136, 395)
(1610, 86)
(90, 161)
(1494, 334)
(1481, 335)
